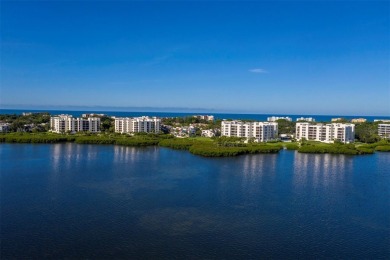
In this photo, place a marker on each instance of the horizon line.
(165, 110)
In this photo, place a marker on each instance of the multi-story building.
(205, 117)
(4, 127)
(307, 119)
(275, 118)
(384, 130)
(67, 123)
(137, 124)
(358, 120)
(382, 120)
(328, 133)
(337, 119)
(208, 133)
(93, 115)
(261, 131)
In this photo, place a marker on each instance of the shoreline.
(206, 147)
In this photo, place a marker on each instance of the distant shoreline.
(242, 116)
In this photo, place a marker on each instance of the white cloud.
(258, 70)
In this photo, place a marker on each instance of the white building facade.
(67, 123)
(137, 124)
(328, 133)
(384, 130)
(4, 127)
(307, 119)
(261, 131)
(275, 118)
(205, 117)
(208, 133)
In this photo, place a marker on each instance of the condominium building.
(337, 119)
(326, 133)
(358, 120)
(307, 119)
(4, 127)
(261, 131)
(205, 117)
(65, 123)
(137, 124)
(275, 118)
(208, 133)
(384, 130)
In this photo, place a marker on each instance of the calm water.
(89, 201)
(259, 117)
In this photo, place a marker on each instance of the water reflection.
(125, 154)
(257, 168)
(113, 201)
(321, 169)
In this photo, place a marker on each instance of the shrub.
(291, 146)
(176, 143)
(383, 148)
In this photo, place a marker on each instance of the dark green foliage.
(291, 146)
(88, 138)
(221, 147)
(107, 124)
(367, 132)
(183, 120)
(336, 148)
(38, 121)
(35, 138)
(383, 148)
(285, 127)
(212, 150)
(225, 141)
(94, 140)
(136, 142)
(177, 143)
(217, 147)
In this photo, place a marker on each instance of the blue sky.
(327, 57)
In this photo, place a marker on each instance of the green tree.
(367, 132)
(285, 127)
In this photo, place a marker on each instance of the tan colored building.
(358, 120)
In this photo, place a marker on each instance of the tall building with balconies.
(328, 133)
(261, 131)
(137, 124)
(67, 123)
(384, 130)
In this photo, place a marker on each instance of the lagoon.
(107, 201)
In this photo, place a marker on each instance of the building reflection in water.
(318, 170)
(106, 168)
(125, 154)
(256, 169)
(133, 155)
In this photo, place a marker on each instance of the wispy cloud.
(258, 70)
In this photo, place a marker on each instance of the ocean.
(258, 117)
